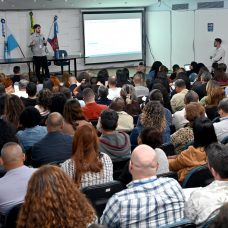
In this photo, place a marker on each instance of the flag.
(53, 38)
(31, 22)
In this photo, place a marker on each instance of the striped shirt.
(149, 202)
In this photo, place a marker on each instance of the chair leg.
(62, 70)
(69, 68)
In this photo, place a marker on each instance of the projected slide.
(112, 37)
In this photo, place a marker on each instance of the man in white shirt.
(204, 203)
(221, 128)
(219, 53)
(13, 185)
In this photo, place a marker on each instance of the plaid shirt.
(149, 202)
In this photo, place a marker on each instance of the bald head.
(12, 156)
(143, 162)
(54, 122)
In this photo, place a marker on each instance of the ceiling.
(69, 4)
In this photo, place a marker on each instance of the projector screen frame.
(143, 36)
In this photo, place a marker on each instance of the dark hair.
(102, 92)
(16, 69)
(194, 66)
(33, 79)
(204, 132)
(84, 75)
(199, 66)
(2, 88)
(206, 76)
(155, 66)
(36, 26)
(48, 84)
(88, 93)
(66, 92)
(44, 98)
(7, 133)
(121, 77)
(218, 40)
(221, 220)
(191, 96)
(109, 119)
(31, 89)
(217, 155)
(156, 95)
(30, 117)
(117, 104)
(223, 104)
(176, 67)
(180, 83)
(58, 101)
(102, 76)
(3, 98)
(183, 76)
(151, 137)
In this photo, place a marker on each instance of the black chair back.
(100, 194)
(199, 176)
(11, 218)
(170, 174)
(118, 168)
(168, 148)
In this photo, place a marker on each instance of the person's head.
(13, 109)
(2, 88)
(194, 110)
(219, 73)
(53, 200)
(56, 83)
(88, 95)
(143, 163)
(30, 117)
(85, 152)
(180, 85)
(3, 98)
(12, 156)
(138, 78)
(66, 92)
(155, 66)
(205, 77)
(7, 133)
(222, 67)
(217, 155)
(128, 93)
(223, 107)
(102, 76)
(37, 28)
(156, 95)
(112, 81)
(193, 66)
(191, 96)
(121, 77)
(151, 137)
(117, 104)
(217, 42)
(84, 76)
(175, 68)
(33, 79)
(31, 89)
(16, 70)
(153, 116)
(141, 67)
(23, 84)
(72, 80)
(72, 112)
(44, 98)
(102, 92)
(109, 120)
(54, 122)
(204, 132)
(163, 69)
(48, 84)
(58, 101)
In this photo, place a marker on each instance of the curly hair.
(153, 116)
(44, 98)
(85, 153)
(53, 200)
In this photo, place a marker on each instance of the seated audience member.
(32, 132)
(102, 96)
(174, 73)
(58, 101)
(161, 78)
(214, 95)
(102, 77)
(88, 165)
(221, 128)
(13, 109)
(14, 182)
(177, 101)
(7, 82)
(113, 143)
(113, 91)
(55, 146)
(153, 72)
(3, 99)
(56, 83)
(31, 90)
(53, 200)
(22, 88)
(192, 73)
(92, 110)
(220, 74)
(2, 89)
(66, 92)
(142, 68)
(183, 136)
(183, 75)
(44, 102)
(16, 74)
(204, 203)
(72, 83)
(73, 117)
(140, 89)
(179, 120)
(132, 106)
(122, 78)
(201, 89)
(146, 201)
(65, 79)
(200, 69)
(183, 163)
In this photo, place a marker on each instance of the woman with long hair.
(73, 117)
(53, 200)
(87, 166)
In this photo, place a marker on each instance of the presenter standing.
(38, 47)
(219, 53)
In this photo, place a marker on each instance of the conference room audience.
(14, 182)
(204, 135)
(16, 74)
(113, 143)
(91, 109)
(31, 91)
(31, 132)
(55, 146)
(183, 136)
(88, 165)
(204, 203)
(53, 200)
(113, 90)
(73, 117)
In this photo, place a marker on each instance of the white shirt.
(179, 119)
(113, 93)
(221, 128)
(218, 55)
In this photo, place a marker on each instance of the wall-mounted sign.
(210, 27)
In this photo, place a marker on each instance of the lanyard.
(142, 183)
